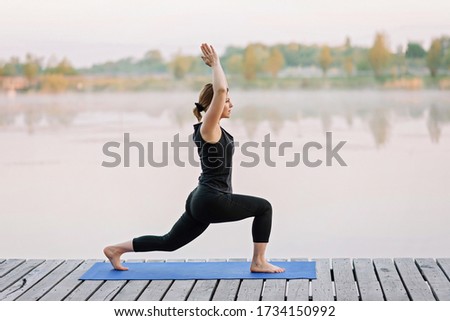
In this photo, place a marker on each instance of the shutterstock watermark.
(120, 154)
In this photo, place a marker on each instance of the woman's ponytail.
(204, 100)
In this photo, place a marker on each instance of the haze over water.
(392, 200)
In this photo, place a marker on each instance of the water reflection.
(433, 125)
(379, 125)
(250, 117)
(275, 120)
(380, 113)
(348, 115)
(325, 118)
(437, 117)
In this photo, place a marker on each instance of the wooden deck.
(342, 279)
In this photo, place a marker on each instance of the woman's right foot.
(265, 267)
(113, 254)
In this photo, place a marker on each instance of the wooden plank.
(322, 286)
(156, 290)
(274, 289)
(445, 266)
(298, 289)
(203, 289)
(369, 287)
(69, 283)
(390, 281)
(179, 289)
(440, 285)
(344, 280)
(250, 290)
(108, 290)
(227, 290)
(18, 273)
(413, 280)
(132, 290)
(86, 289)
(8, 265)
(50, 281)
(29, 280)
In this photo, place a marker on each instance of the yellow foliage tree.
(348, 66)
(379, 55)
(54, 83)
(250, 62)
(234, 64)
(31, 68)
(325, 59)
(275, 62)
(434, 57)
(181, 65)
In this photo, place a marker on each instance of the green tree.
(325, 59)
(415, 50)
(291, 54)
(275, 62)
(153, 55)
(361, 59)
(434, 57)
(446, 60)
(445, 44)
(12, 67)
(152, 62)
(379, 55)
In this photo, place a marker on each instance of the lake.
(392, 199)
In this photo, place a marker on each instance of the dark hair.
(204, 99)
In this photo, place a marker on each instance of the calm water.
(392, 200)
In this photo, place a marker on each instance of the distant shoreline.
(51, 84)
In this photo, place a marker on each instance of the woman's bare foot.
(113, 254)
(265, 267)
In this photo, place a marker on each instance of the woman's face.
(227, 108)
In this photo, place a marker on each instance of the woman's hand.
(210, 56)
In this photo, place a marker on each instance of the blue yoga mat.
(197, 271)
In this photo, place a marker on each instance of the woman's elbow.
(221, 90)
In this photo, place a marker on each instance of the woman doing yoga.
(212, 201)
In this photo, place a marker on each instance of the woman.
(212, 201)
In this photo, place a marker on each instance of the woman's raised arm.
(210, 129)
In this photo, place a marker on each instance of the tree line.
(257, 60)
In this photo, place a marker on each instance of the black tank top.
(215, 159)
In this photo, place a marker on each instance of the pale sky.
(90, 31)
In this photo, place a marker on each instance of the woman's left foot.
(265, 267)
(113, 254)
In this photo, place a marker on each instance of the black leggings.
(204, 206)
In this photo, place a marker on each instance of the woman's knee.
(267, 207)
